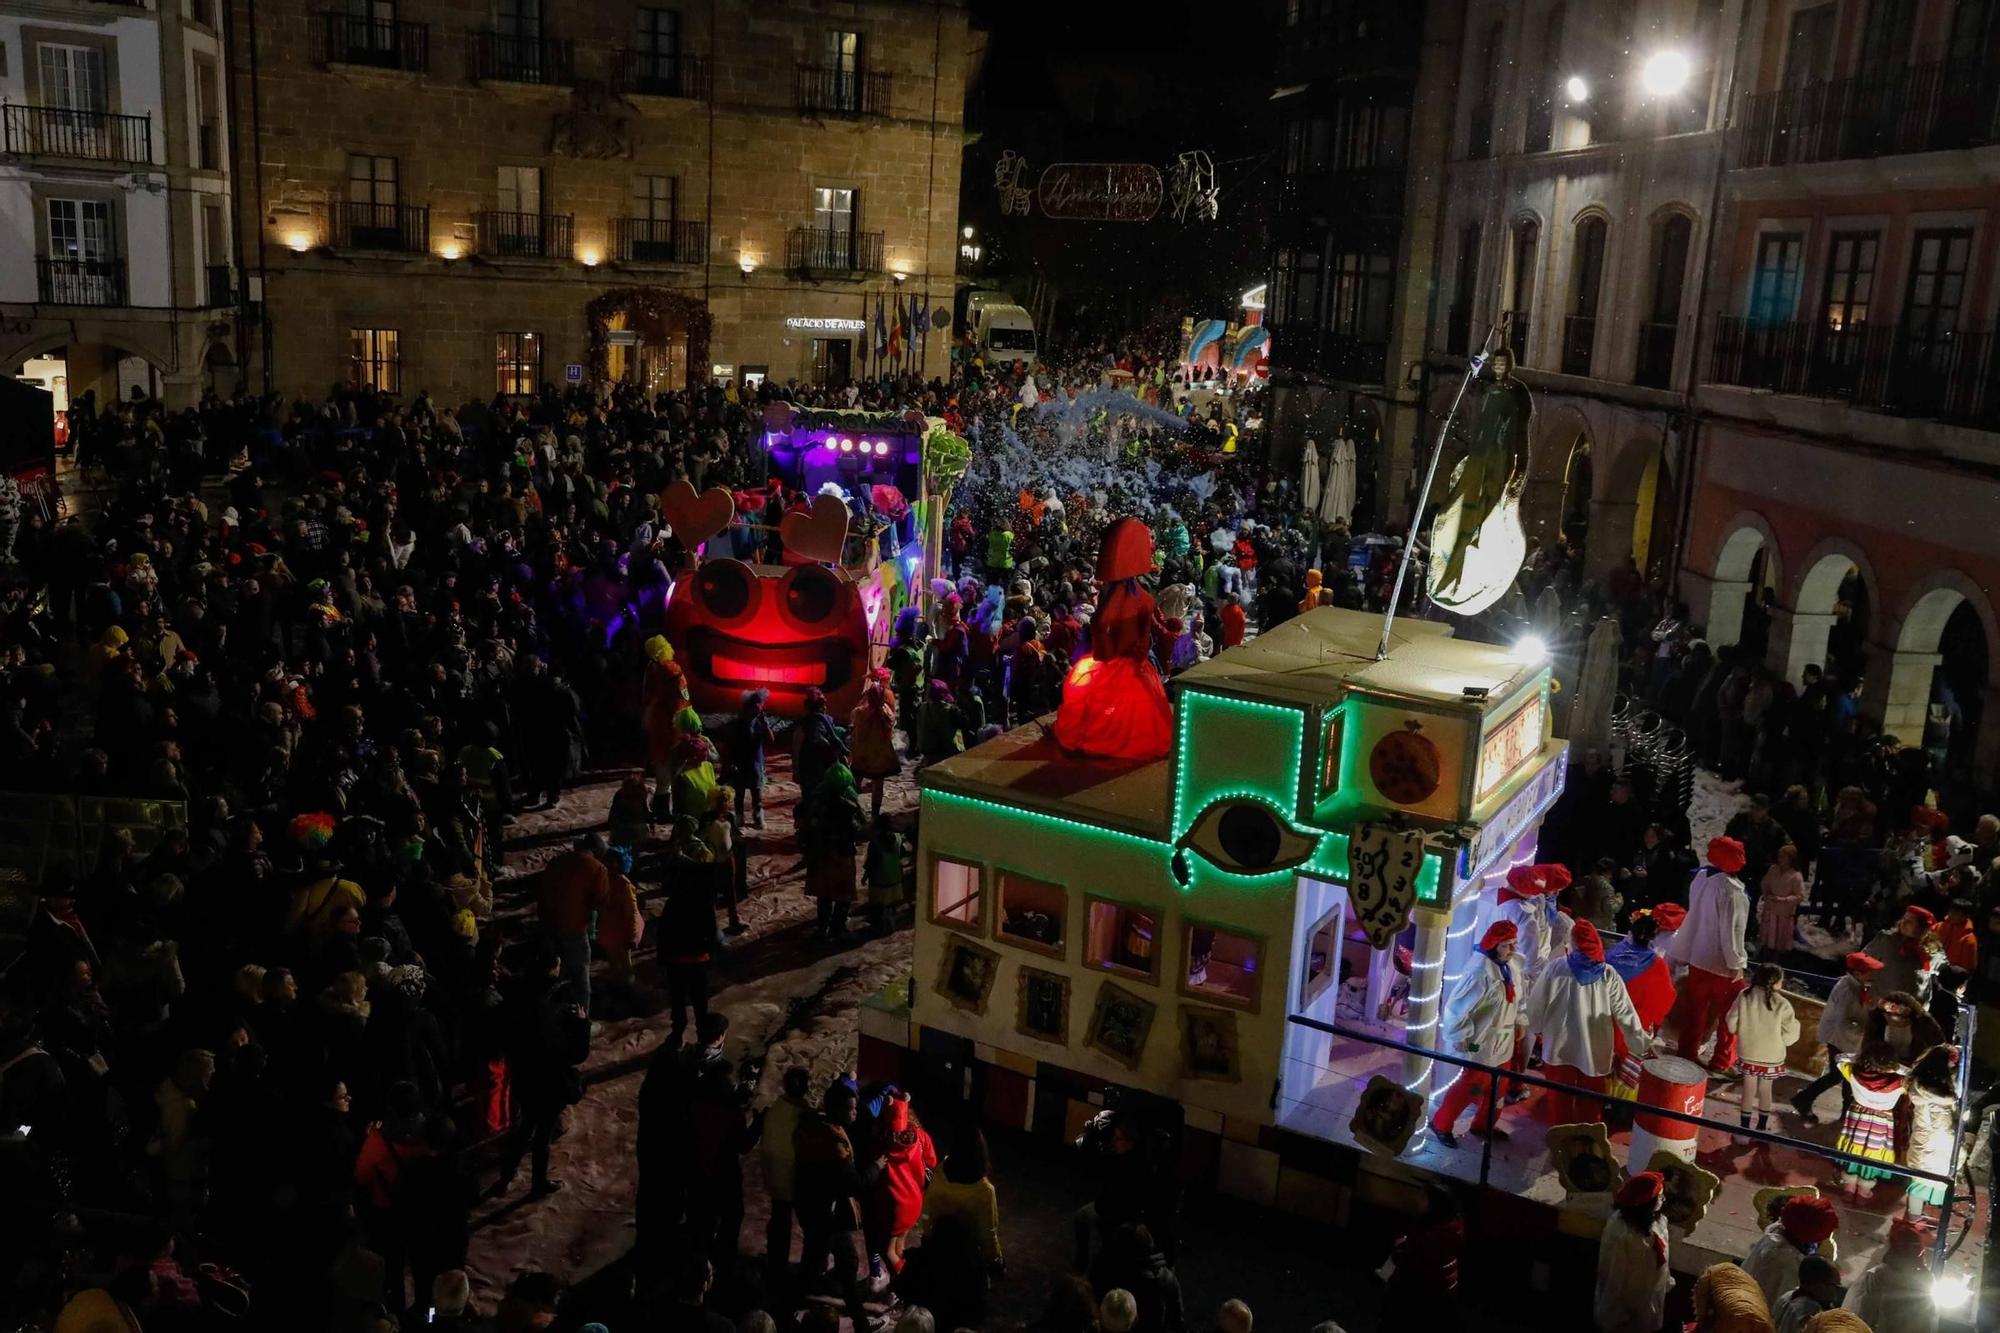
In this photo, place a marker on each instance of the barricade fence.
(1324, 1091)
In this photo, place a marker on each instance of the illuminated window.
(1124, 939)
(956, 888)
(375, 360)
(517, 361)
(1220, 965)
(1033, 913)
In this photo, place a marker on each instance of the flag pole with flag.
(881, 330)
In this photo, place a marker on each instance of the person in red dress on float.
(1113, 704)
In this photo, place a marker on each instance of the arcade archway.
(1941, 672)
(1745, 567)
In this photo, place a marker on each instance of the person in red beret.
(1843, 1024)
(1480, 1021)
(1908, 951)
(1633, 1276)
(1712, 944)
(1804, 1224)
(1575, 1006)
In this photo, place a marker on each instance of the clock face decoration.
(1404, 766)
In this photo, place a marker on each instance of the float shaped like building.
(1156, 926)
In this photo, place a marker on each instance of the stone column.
(1609, 540)
(1716, 605)
(1798, 640)
(1897, 687)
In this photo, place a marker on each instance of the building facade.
(1587, 146)
(476, 201)
(1351, 233)
(118, 265)
(1844, 490)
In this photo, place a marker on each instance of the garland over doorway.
(650, 304)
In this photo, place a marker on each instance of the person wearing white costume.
(1894, 1296)
(1633, 1277)
(1481, 1019)
(1575, 1006)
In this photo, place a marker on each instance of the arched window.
(1527, 242)
(1586, 281)
(1657, 333)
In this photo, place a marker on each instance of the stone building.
(1845, 497)
(1353, 230)
(1579, 193)
(472, 201)
(117, 252)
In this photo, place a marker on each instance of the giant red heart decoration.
(817, 533)
(696, 518)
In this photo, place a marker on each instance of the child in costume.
(1868, 1128)
(1765, 1026)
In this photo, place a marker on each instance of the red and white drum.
(1677, 1085)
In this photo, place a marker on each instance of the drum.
(1674, 1084)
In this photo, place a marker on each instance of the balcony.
(1579, 341)
(661, 241)
(90, 136)
(507, 57)
(80, 281)
(1479, 132)
(1910, 109)
(1655, 366)
(375, 43)
(404, 228)
(653, 74)
(526, 235)
(1951, 377)
(219, 287)
(816, 250)
(829, 90)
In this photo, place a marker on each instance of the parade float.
(1154, 925)
(810, 603)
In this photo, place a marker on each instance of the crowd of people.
(273, 1036)
(308, 661)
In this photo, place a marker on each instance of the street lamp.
(967, 233)
(1576, 90)
(1665, 73)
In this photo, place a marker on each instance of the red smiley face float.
(736, 626)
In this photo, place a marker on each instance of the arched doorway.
(1653, 516)
(1577, 482)
(648, 337)
(1940, 674)
(1745, 566)
(1830, 618)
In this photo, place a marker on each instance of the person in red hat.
(1894, 1295)
(1633, 1276)
(1712, 944)
(1843, 1024)
(1908, 951)
(1574, 1008)
(1671, 917)
(1480, 1021)
(1804, 1224)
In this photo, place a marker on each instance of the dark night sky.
(1084, 81)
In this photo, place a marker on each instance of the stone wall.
(746, 162)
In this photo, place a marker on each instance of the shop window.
(1124, 939)
(956, 891)
(517, 360)
(1221, 965)
(1322, 958)
(1033, 913)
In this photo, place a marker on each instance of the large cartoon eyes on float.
(727, 589)
(1242, 837)
(810, 596)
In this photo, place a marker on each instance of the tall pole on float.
(1472, 368)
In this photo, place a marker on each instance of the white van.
(1004, 332)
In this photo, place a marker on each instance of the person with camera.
(1126, 1187)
